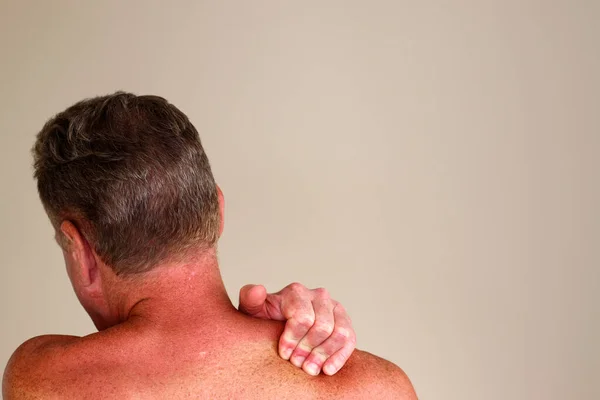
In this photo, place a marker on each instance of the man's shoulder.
(370, 376)
(30, 365)
(39, 366)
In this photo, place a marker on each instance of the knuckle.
(321, 353)
(301, 351)
(322, 293)
(305, 320)
(323, 328)
(296, 287)
(352, 339)
(343, 334)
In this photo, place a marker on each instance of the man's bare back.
(133, 361)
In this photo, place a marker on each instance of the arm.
(318, 333)
(27, 369)
(378, 379)
(393, 382)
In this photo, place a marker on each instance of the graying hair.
(131, 173)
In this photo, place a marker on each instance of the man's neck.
(176, 296)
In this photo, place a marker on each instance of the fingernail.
(286, 353)
(312, 369)
(329, 369)
(298, 360)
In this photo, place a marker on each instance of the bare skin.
(180, 337)
(172, 333)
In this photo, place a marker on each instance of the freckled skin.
(135, 361)
(184, 339)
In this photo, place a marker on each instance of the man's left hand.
(318, 334)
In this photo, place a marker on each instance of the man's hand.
(318, 333)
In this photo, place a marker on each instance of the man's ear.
(84, 269)
(221, 209)
(81, 262)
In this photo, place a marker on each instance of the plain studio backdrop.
(433, 164)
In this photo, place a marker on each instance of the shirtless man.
(129, 190)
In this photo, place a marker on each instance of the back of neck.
(176, 295)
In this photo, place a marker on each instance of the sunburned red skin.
(136, 361)
(172, 345)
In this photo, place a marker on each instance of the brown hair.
(130, 172)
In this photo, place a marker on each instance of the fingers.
(321, 329)
(337, 361)
(333, 353)
(297, 309)
(295, 329)
(318, 334)
(252, 300)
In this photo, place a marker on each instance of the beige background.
(434, 164)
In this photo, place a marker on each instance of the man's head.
(127, 177)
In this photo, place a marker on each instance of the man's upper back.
(122, 363)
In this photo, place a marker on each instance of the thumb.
(252, 300)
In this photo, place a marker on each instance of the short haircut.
(131, 173)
